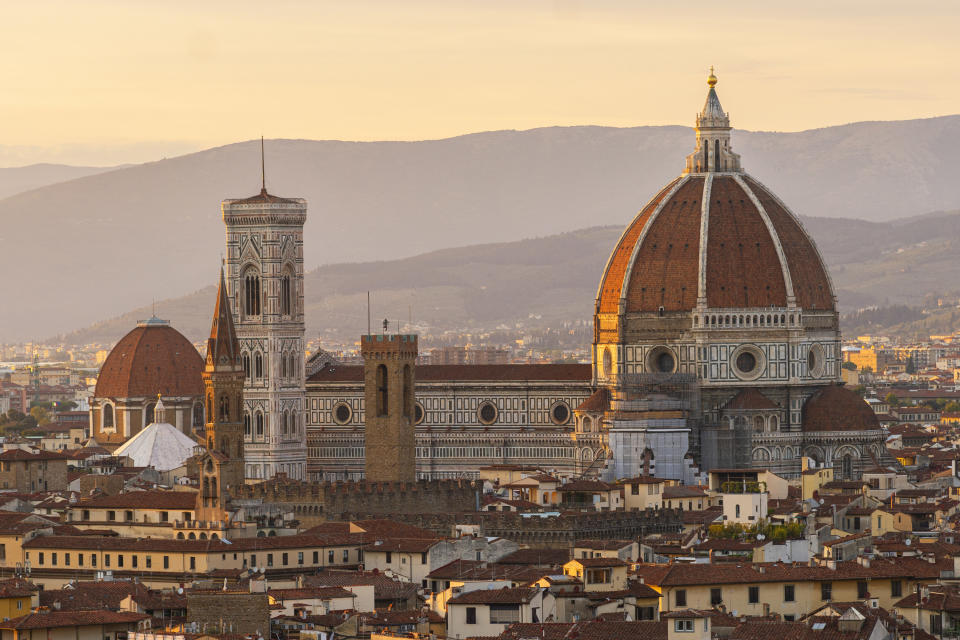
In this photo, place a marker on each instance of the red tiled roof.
(173, 500)
(701, 574)
(18, 455)
(506, 595)
(599, 400)
(750, 399)
(834, 408)
(55, 619)
(151, 359)
(600, 562)
(660, 255)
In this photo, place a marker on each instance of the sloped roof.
(161, 446)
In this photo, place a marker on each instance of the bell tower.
(221, 467)
(265, 280)
(388, 376)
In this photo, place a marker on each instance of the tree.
(952, 407)
(849, 366)
(892, 399)
(40, 415)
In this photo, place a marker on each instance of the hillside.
(14, 180)
(102, 244)
(554, 279)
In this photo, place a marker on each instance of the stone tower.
(221, 467)
(388, 375)
(265, 280)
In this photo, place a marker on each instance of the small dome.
(835, 408)
(153, 358)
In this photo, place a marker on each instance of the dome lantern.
(713, 152)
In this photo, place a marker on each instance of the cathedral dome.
(153, 358)
(834, 408)
(716, 238)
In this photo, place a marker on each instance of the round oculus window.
(665, 362)
(487, 413)
(746, 362)
(560, 413)
(342, 413)
(417, 413)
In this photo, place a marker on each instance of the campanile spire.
(713, 152)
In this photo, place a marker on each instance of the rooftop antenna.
(263, 169)
(369, 329)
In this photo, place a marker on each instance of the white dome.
(161, 446)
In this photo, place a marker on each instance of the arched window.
(706, 155)
(246, 424)
(382, 390)
(716, 156)
(284, 421)
(259, 424)
(225, 447)
(283, 365)
(198, 415)
(286, 294)
(224, 408)
(847, 466)
(774, 424)
(251, 293)
(246, 365)
(106, 420)
(587, 425)
(149, 413)
(407, 391)
(758, 424)
(258, 365)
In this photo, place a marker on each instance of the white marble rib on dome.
(161, 446)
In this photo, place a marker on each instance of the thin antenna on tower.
(263, 168)
(369, 326)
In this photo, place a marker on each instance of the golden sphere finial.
(712, 79)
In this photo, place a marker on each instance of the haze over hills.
(115, 241)
(550, 280)
(14, 180)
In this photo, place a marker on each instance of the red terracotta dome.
(834, 408)
(743, 249)
(153, 358)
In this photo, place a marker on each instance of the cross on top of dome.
(713, 152)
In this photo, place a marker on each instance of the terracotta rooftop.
(834, 408)
(518, 595)
(750, 399)
(153, 358)
(54, 619)
(157, 499)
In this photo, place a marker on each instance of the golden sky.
(100, 82)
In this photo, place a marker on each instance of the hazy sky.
(103, 82)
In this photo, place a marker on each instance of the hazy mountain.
(15, 180)
(549, 280)
(79, 251)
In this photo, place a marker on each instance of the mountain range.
(547, 281)
(93, 247)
